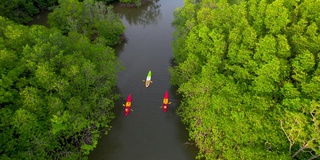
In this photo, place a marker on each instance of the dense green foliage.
(56, 92)
(145, 15)
(91, 18)
(249, 74)
(22, 11)
(136, 2)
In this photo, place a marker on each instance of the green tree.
(248, 74)
(93, 19)
(56, 92)
(23, 11)
(136, 2)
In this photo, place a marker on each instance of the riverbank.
(143, 2)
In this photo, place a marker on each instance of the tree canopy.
(56, 92)
(22, 11)
(91, 18)
(249, 75)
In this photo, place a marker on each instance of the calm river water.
(147, 133)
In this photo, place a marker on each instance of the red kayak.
(127, 108)
(165, 103)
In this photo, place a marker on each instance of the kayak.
(165, 102)
(148, 79)
(127, 108)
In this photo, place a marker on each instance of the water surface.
(147, 133)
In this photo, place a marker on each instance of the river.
(147, 133)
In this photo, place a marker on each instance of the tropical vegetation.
(249, 75)
(23, 11)
(57, 87)
(93, 19)
(56, 92)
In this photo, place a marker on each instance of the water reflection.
(41, 19)
(145, 15)
(119, 47)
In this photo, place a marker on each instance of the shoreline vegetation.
(249, 75)
(132, 4)
(248, 72)
(57, 83)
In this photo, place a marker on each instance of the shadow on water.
(145, 15)
(41, 19)
(119, 48)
